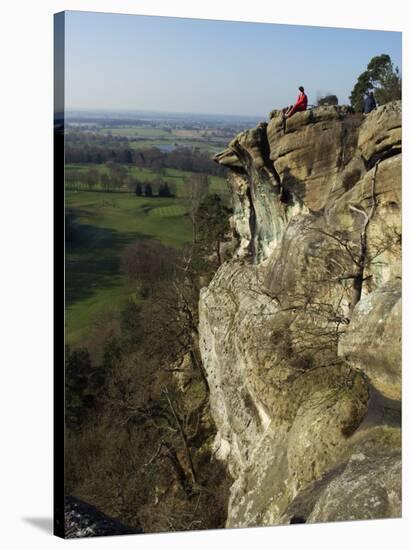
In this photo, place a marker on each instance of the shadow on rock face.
(381, 411)
(297, 519)
(293, 189)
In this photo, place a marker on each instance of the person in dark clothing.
(369, 103)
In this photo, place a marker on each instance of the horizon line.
(157, 111)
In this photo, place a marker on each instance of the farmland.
(104, 224)
(176, 178)
(111, 162)
(206, 133)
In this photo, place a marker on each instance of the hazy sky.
(136, 62)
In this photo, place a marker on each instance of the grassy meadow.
(217, 184)
(104, 224)
(143, 136)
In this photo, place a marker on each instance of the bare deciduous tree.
(196, 187)
(357, 249)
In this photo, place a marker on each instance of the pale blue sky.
(136, 62)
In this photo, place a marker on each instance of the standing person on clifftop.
(300, 105)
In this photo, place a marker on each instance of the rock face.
(377, 319)
(83, 520)
(300, 330)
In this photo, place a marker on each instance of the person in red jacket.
(300, 105)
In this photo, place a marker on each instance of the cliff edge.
(300, 330)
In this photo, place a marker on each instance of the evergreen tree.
(79, 397)
(330, 99)
(148, 191)
(138, 189)
(164, 190)
(381, 77)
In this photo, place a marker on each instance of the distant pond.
(166, 147)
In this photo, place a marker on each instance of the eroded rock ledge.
(84, 520)
(300, 330)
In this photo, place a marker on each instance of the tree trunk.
(183, 436)
(219, 257)
(194, 231)
(178, 469)
(356, 291)
(359, 275)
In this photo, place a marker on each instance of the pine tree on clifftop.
(381, 77)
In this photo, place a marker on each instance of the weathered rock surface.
(83, 520)
(372, 342)
(366, 484)
(300, 331)
(381, 134)
(312, 155)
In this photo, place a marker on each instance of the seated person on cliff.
(300, 105)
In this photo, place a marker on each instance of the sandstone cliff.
(300, 329)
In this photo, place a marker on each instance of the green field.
(217, 184)
(210, 147)
(144, 136)
(104, 224)
(135, 131)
